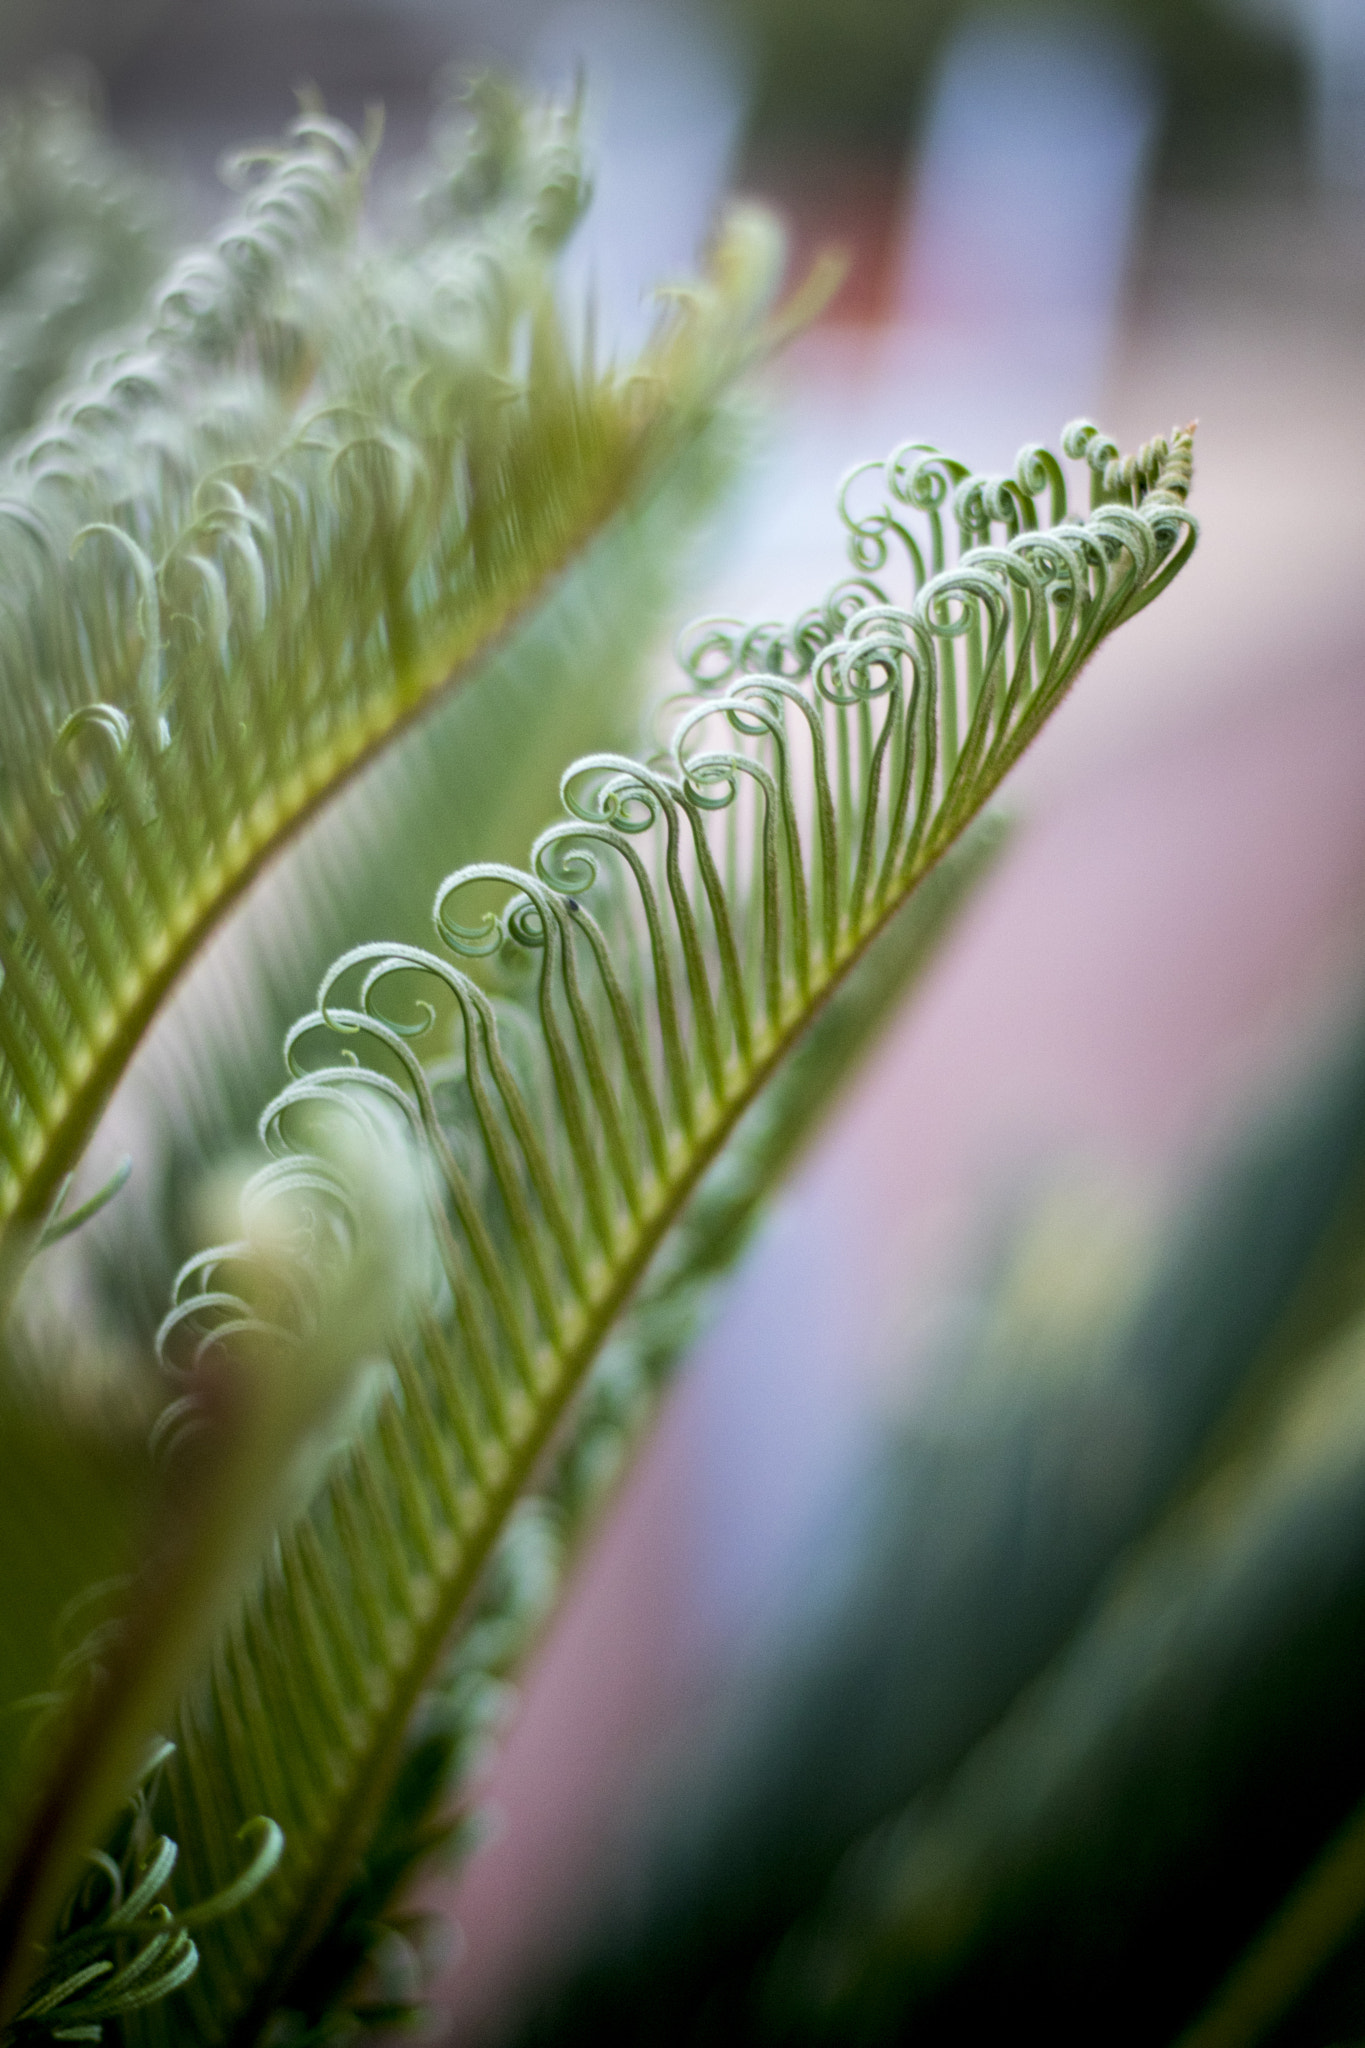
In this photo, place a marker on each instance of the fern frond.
(259, 536)
(478, 777)
(674, 936)
(425, 1816)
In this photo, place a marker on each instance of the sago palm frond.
(477, 777)
(671, 941)
(258, 536)
(424, 1815)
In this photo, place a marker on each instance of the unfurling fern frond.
(672, 939)
(461, 1711)
(258, 536)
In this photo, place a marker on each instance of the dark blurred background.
(1252, 91)
(1145, 211)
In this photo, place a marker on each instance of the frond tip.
(664, 951)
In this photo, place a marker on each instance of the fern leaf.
(425, 1815)
(672, 939)
(477, 778)
(258, 537)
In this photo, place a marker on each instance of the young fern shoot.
(670, 942)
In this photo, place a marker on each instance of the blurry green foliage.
(83, 236)
(1071, 1747)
